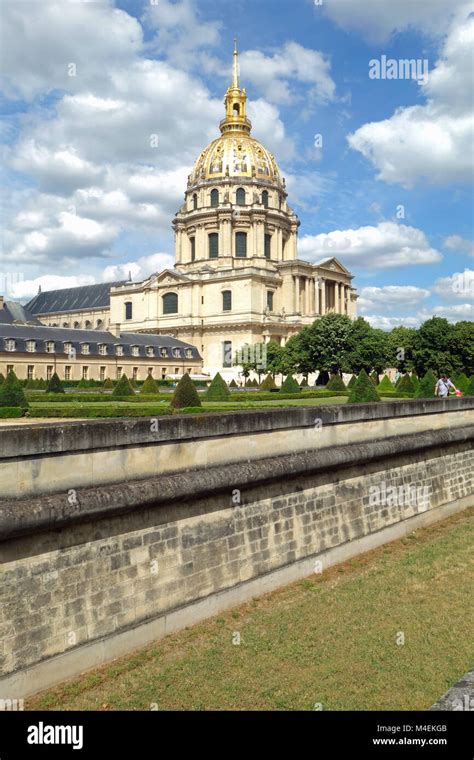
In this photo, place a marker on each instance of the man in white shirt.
(443, 385)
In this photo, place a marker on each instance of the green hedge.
(11, 411)
(91, 412)
(77, 398)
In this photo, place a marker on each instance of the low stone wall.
(94, 572)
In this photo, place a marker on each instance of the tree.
(351, 382)
(123, 388)
(426, 386)
(233, 384)
(2, 378)
(268, 384)
(55, 385)
(367, 348)
(463, 345)
(435, 348)
(336, 383)
(218, 390)
(470, 389)
(185, 394)
(400, 343)
(415, 380)
(41, 384)
(462, 382)
(150, 386)
(290, 385)
(328, 343)
(11, 392)
(363, 390)
(384, 386)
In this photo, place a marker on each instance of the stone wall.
(87, 579)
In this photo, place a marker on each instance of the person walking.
(443, 385)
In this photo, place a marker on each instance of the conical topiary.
(462, 382)
(30, 385)
(55, 385)
(150, 386)
(41, 384)
(218, 390)
(336, 383)
(363, 390)
(185, 394)
(268, 384)
(2, 378)
(351, 382)
(426, 386)
(233, 384)
(374, 376)
(405, 384)
(11, 392)
(108, 384)
(123, 387)
(415, 380)
(384, 385)
(470, 387)
(290, 385)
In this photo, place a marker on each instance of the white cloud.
(458, 243)
(459, 286)
(388, 323)
(385, 246)
(27, 289)
(390, 297)
(180, 30)
(139, 269)
(432, 142)
(379, 19)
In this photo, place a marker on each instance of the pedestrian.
(443, 385)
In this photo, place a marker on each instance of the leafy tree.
(384, 385)
(363, 390)
(2, 378)
(400, 342)
(367, 348)
(123, 388)
(41, 384)
(336, 383)
(426, 386)
(268, 384)
(150, 386)
(185, 394)
(470, 388)
(463, 345)
(435, 347)
(323, 377)
(290, 385)
(55, 385)
(405, 384)
(11, 392)
(462, 382)
(218, 390)
(329, 342)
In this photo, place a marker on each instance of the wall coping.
(26, 441)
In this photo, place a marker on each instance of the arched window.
(128, 310)
(99, 324)
(170, 303)
(265, 199)
(193, 248)
(88, 324)
(213, 245)
(77, 325)
(65, 324)
(226, 300)
(195, 201)
(214, 198)
(236, 109)
(240, 197)
(268, 246)
(241, 245)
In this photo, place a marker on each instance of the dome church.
(237, 278)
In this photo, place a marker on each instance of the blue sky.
(389, 193)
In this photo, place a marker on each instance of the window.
(189, 353)
(236, 109)
(119, 372)
(85, 373)
(150, 371)
(135, 350)
(77, 325)
(163, 373)
(10, 344)
(241, 245)
(135, 373)
(176, 353)
(265, 199)
(119, 350)
(102, 349)
(170, 303)
(65, 324)
(270, 300)
(128, 310)
(189, 371)
(195, 201)
(102, 373)
(213, 245)
(67, 372)
(163, 353)
(30, 371)
(67, 348)
(99, 324)
(214, 198)
(31, 346)
(227, 353)
(88, 324)
(49, 372)
(240, 197)
(150, 351)
(193, 248)
(85, 348)
(268, 246)
(50, 346)
(10, 368)
(176, 370)
(227, 300)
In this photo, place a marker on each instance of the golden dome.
(235, 153)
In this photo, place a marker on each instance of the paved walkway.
(459, 697)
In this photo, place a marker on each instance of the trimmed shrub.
(150, 386)
(2, 378)
(470, 388)
(304, 383)
(268, 384)
(185, 394)
(415, 380)
(374, 376)
(108, 384)
(41, 384)
(363, 390)
(218, 390)
(8, 412)
(55, 385)
(462, 382)
(405, 384)
(11, 393)
(123, 387)
(83, 384)
(336, 383)
(93, 412)
(233, 384)
(426, 386)
(352, 381)
(385, 385)
(289, 385)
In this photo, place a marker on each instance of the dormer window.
(67, 348)
(189, 353)
(85, 348)
(135, 350)
(163, 353)
(31, 346)
(102, 349)
(150, 351)
(176, 353)
(119, 350)
(10, 344)
(50, 346)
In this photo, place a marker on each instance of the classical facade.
(237, 278)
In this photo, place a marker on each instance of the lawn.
(328, 641)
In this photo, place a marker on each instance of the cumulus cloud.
(458, 243)
(459, 286)
(390, 297)
(26, 289)
(140, 269)
(431, 142)
(385, 246)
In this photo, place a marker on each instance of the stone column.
(346, 299)
(336, 298)
(316, 295)
(297, 293)
(323, 296)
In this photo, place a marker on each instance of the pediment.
(166, 277)
(333, 265)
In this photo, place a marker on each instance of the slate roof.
(73, 299)
(60, 336)
(16, 312)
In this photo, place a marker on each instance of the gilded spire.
(235, 72)
(235, 103)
